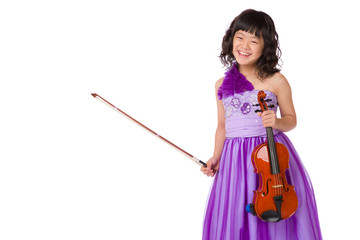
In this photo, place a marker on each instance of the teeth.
(245, 54)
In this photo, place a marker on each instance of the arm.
(220, 130)
(214, 161)
(287, 121)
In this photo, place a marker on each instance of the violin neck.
(274, 162)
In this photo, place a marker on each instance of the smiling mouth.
(243, 54)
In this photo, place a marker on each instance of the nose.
(245, 44)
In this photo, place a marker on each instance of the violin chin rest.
(271, 216)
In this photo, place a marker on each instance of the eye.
(254, 42)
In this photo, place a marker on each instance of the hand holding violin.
(268, 118)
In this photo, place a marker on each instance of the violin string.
(275, 166)
(271, 146)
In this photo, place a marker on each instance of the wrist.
(215, 158)
(285, 124)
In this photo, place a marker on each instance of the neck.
(248, 71)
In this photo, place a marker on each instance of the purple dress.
(225, 216)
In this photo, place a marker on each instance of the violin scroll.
(261, 99)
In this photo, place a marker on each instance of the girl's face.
(247, 48)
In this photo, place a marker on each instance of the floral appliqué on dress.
(235, 102)
(246, 108)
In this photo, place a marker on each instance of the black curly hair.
(262, 25)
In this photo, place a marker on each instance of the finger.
(215, 172)
(268, 124)
(266, 113)
(267, 121)
(269, 112)
(268, 118)
(265, 118)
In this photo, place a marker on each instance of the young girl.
(250, 50)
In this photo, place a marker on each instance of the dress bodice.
(241, 105)
(241, 118)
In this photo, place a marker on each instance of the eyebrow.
(250, 33)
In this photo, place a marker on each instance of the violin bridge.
(278, 186)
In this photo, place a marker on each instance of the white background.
(72, 168)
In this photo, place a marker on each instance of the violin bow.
(196, 160)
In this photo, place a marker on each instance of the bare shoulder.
(219, 82)
(279, 83)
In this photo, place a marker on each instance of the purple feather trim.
(234, 82)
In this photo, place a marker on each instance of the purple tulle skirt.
(225, 216)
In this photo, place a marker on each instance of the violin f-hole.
(267, 187)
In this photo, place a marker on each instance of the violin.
(275, 199)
